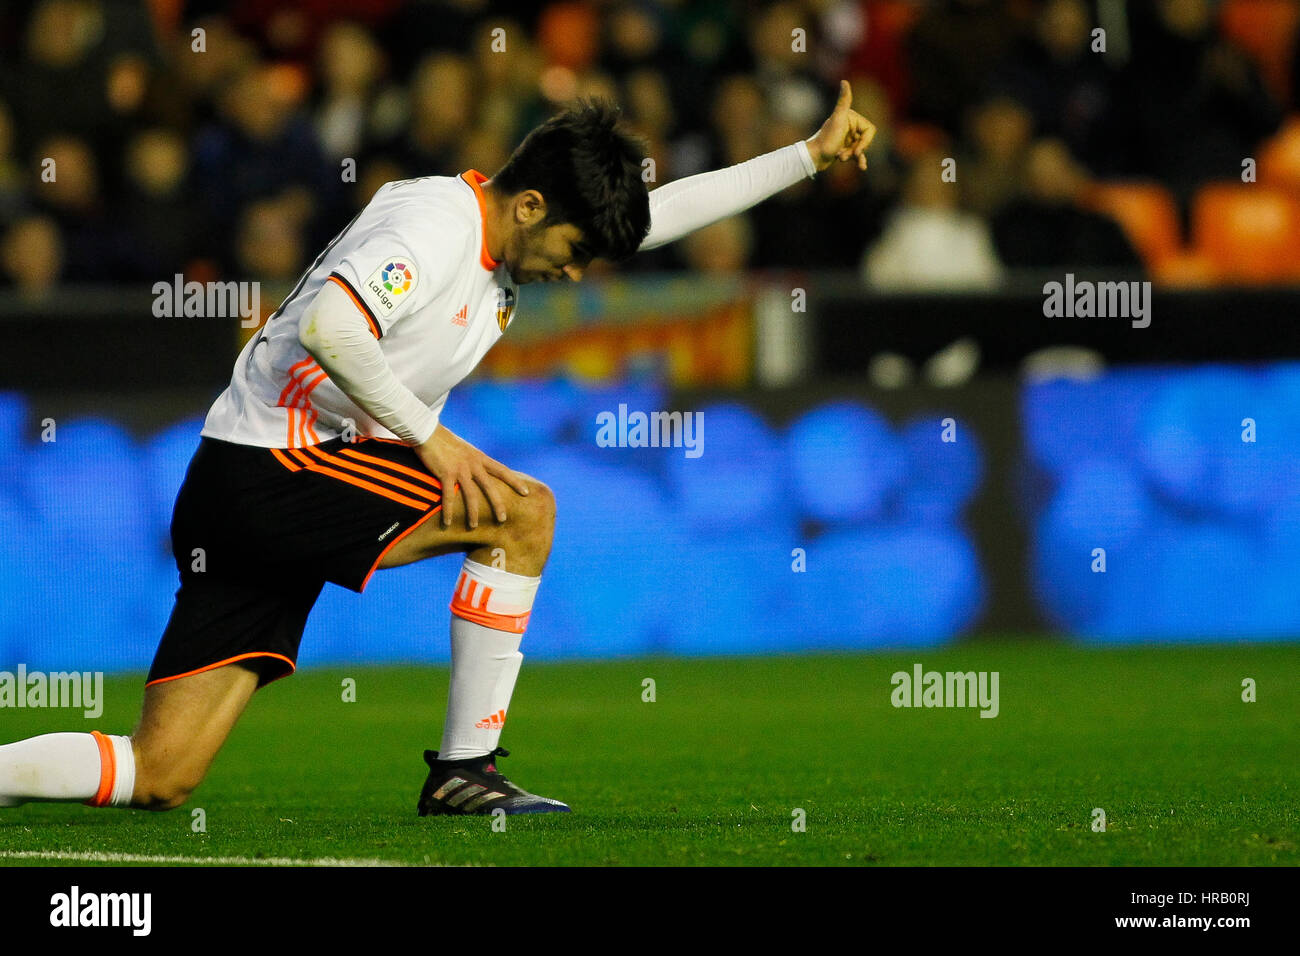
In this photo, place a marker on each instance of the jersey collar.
(474, 179)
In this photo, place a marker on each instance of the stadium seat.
(1279, 158)
(637, 394)
(1264, 29)
(1099, 504)
(941, 476)
(13, 420)
(846, 463)
(509, 417)
(13, 415)
(1190, 443)
(1250, 231)
(1147, 213)
(1187, 270)
(1065, 423)
(743, 455)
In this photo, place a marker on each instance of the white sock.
(93, 768)
(490, 611)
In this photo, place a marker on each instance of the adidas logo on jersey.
(462, 317)
(494, 722)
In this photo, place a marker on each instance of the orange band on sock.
(462, 607)
(107, 770)
(516, 623)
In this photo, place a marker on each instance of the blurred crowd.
(239, 150)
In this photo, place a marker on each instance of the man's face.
(545, 253)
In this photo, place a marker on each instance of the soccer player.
(324, 459)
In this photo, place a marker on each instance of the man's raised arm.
(685, 205)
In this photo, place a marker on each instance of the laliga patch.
(390, 285)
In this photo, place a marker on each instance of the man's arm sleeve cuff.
(375, 328)
(806, 157)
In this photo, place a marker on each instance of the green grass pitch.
(712, 771)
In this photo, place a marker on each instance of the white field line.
(98, 857)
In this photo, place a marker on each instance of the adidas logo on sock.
(492, 722)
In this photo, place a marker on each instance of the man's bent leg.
(524, 540)
(183, 725)
(490, 609)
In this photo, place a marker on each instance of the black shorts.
(256, 533)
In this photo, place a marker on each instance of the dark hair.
(588, 168)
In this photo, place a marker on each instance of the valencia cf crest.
(505, 306)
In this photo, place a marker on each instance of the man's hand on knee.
(459, 465)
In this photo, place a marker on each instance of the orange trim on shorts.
(284, 460)
(375, 460)
(107, 770)
(374, 567)
(370, 320)
(363, 470)
(366, 485)
(229, 660)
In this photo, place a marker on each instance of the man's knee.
(540, 505)
(160, 786)
(166, 794)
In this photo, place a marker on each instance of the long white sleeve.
(336, 335)
(691, 203)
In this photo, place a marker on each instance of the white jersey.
(415, 262)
